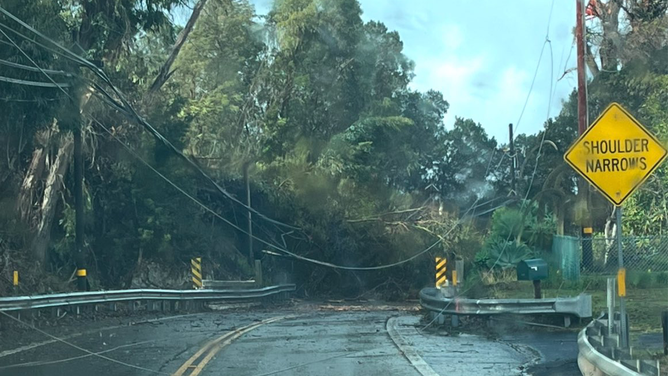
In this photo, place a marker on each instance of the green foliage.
(312, 99)
(503, 254)
(515, 234)
(522, 225)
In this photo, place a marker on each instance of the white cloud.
(452, 76)
(452, 37)
(482, 58)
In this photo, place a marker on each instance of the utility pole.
(82, 283)
(581, 68)
(511, 141)
(251, 255)
(583, 122)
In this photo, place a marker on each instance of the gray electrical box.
(532, 270)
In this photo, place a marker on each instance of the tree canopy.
(313, 108)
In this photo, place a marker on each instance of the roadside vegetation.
(307, 110)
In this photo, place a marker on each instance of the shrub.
(503, 254)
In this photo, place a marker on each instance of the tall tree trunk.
(611, 38)
(165, 70)
(27, 193)
(54, 183)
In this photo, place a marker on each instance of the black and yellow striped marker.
(440, 271)
(196, 267)
(82, 283)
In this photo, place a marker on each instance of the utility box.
(532, 270)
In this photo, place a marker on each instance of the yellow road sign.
(616, 154)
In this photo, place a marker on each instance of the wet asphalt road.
(316, 342)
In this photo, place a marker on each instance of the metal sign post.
(623, 323)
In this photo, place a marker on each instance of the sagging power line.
(130, 111)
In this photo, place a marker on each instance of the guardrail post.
(664, 325)
(611, 304)
(438, 318)
(258, 273)
(459, 267)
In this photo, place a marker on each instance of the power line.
(181, 190)
(33, 83)
(35, 64)
(33, 69)
(281, 248)
(136, 117)
(133, 152)
(23, 100)
(125, 108)
(98, 355)
(76, 60)
(549, 105)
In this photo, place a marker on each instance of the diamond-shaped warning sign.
(616, 154)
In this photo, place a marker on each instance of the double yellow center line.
(196, 363)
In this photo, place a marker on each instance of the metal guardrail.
(231, 285)
(599, 350)
(97, 297)
(434, 300)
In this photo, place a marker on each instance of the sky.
(482, 55)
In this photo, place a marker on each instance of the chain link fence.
(641, 253)
(589, 263)
(598, 255)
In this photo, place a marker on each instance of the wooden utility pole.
(80, 260)
(251, 255)
(583, 123)
(511, 141)
(581, 67)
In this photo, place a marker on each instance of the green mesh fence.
(641, 254)
(566, 252)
